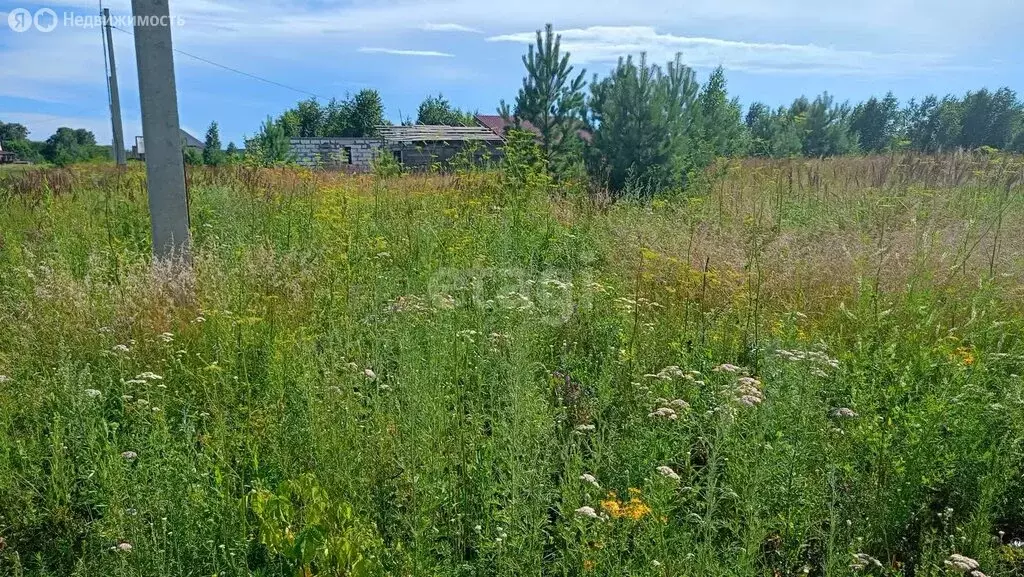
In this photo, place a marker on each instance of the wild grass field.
(807, 368)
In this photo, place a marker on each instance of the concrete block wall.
(330, 153)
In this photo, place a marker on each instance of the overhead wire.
(237, 71)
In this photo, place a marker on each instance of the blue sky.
(772, 50)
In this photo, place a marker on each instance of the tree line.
(63, 147)
(642, 125)
(648, 127)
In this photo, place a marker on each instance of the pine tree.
(718, 128)
(231, 154)
(270, 146)
(874, 122)
(551, 99)
(642, 118)
(212, 153)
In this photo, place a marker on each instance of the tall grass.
(431, 375)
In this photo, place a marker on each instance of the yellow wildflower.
(966, 356)
(634, 509)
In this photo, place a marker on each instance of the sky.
(470, 50)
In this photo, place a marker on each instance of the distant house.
(421, 145)
(187, 141)
(500, 126)
(416, 147)
(6, 157)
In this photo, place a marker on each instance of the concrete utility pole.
(115, 97)
(161, 133)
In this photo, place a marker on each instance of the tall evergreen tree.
(786, 133)
(212, 153)
(987, 119)
(758, 122)
(825, 126)
(643, 118)
(270, 145)
(875, 122)
(719, 130)
(551, 98)
(231, 153)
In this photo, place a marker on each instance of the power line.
(241, 72)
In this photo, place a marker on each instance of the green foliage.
(437, 110)
(524, 167)
(825, 126)
(643, 119)
(980, 119)
(989, 119)
(270, 147)
(192, 156)
(551, 99)
(11, 132)
(25, 150)
(315, 534)
(356, 117)
(875, 123)
(68, 146)
(367, 114)
(385, 165)
(718, 129)
(213, 154)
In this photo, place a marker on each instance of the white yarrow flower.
(862, 561)
(667, 471)
(588, 512)
(727, 368)
(961, 563)
(92, 393)
(749, 400)
(370, 374)
(129, 455)
(588, 478)
(120, 348)
(663, 413)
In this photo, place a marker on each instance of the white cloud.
(450, 28)
(604, 44)
(397, 52)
